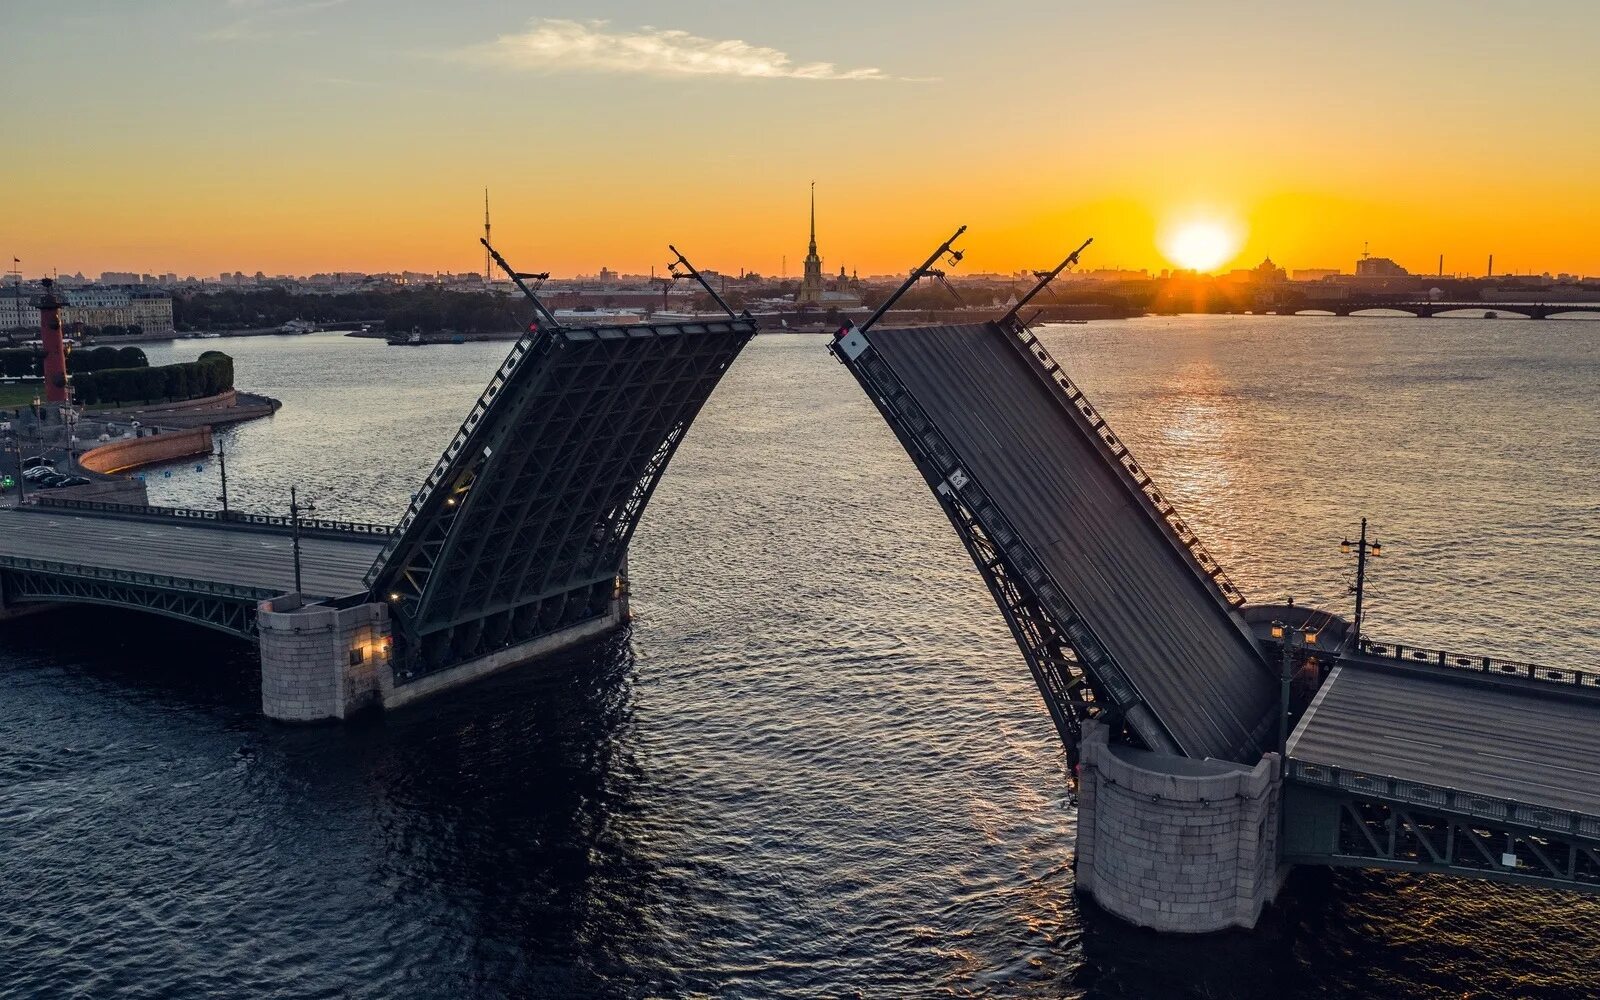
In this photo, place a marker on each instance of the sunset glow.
(1201, 245)
(302, 137)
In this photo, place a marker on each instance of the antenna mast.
(486, 236)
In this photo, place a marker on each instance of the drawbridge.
(519, 532)
(1119, 609)
(1416, 760)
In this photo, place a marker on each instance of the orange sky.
(306, 135)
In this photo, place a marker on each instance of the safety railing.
(1177, 528)
(906, 415)
(1477, 664)
(136, 579)
(1444, 798)
(308, 525)
(441, 469)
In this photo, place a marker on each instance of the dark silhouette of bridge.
(1425, 308)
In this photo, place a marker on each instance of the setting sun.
(1201, 244)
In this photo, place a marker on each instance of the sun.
(1201, 244)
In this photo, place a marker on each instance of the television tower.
(486, 240)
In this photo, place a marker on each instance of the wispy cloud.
(558, 45)
(263, 18)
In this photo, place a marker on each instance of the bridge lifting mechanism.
(690, 272)
(929, 383)
(514, 545)
(520, 279)
(522, 528)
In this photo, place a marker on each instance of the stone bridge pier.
(1174, 843)
(324, 661)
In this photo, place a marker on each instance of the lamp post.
(22, 482)
(1363, 548)
(1290, 639)
(295, 510)
(222, 461)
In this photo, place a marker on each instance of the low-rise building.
(93, 309)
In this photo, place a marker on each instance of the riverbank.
(230, 407)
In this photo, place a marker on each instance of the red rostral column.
(55, 345)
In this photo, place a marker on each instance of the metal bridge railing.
(1124, 462)
(934, 452)
(137, 579)
(441, 469)
(1482, 665)
(1487, 807)
(309, 525)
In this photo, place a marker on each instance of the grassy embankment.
(14, 394)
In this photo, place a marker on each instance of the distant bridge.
(1428, 308)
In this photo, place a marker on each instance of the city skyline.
(313, 137)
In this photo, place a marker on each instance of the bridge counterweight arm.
(1045, 278)
(546, 317)
(917, 275)
(696, 275)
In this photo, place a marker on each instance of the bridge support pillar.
(320, 661)
(1176, 844)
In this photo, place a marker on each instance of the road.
(1459, 733)
(330, 568)
(1193, 665)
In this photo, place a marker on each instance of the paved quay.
(330, 567)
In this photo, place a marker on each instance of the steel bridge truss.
(1477, 837)
(224, 607)
(523, 526)
(1076, 674)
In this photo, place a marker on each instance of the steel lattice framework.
(224, 607)
(1354, 820)
(523, 525)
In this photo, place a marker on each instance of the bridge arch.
(232, 614)
(1477, 312)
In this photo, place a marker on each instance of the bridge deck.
(330, 568)
(1191, 661)
(1497, 740)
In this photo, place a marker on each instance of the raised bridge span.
(1150, 662)
(513, 546)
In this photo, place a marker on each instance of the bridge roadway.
(330, 567)
(1533, 742)
(1193, 662)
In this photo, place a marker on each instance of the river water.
(817, 765)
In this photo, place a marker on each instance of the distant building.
(1313, 273)
(17, 312)
(1379, 267)
(1264, 273)
(813, 290)
(91, 309)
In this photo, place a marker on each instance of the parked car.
(37, 472)
(75, 481)
(36, 461)
(51, 482)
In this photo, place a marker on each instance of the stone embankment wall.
(1175, 844)
(229, 407)
(130, 453)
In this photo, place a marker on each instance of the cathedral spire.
(813, 218)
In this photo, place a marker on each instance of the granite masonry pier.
(1174, 843)
(322, 661)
